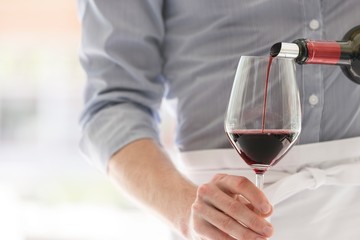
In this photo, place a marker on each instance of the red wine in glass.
(262, 149)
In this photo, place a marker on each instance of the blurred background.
(47, 189)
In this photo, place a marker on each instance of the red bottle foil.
(322, 52)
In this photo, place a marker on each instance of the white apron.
(315, 188)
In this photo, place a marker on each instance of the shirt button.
(313, 100)
(314, 24)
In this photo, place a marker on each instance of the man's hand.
(230, 207)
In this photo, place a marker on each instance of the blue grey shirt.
(138, 52)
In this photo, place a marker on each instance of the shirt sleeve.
(120, 53)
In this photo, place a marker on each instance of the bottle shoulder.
(353, 34)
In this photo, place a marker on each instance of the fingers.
(230, 215)
(203, 229)
(243, 186)
(220, 226)
(230, 207)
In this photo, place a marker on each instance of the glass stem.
(260, 180)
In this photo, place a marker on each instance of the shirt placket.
(312, 79)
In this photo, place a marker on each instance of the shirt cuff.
(114, 127)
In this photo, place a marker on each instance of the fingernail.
(260, 238)
(265, 208)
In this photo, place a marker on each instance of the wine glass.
(263, 119)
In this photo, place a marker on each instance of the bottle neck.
(345, 53)
(324, 52)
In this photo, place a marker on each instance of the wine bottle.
(345, 53)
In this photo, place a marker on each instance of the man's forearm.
(144, 171)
